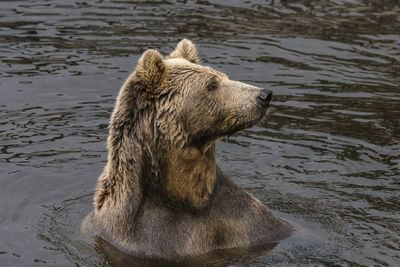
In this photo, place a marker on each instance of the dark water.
(327, 158)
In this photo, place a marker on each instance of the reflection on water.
(327, 157)
(227, 257)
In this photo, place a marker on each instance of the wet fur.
(161, 193)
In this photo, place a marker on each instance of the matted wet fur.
(161, 194)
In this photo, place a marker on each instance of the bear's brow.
(189, 70)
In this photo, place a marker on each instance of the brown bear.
(161, 194)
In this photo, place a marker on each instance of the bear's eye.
(212, 86)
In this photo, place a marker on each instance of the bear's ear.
(187, 50)
(151, 71)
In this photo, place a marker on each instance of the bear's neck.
(190, 177)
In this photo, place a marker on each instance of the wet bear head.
(201, 103)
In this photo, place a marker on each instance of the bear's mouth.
(205, 140)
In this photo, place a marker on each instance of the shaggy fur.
(161, 193)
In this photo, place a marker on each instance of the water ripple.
(327, 157)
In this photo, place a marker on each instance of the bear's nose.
(265, 97)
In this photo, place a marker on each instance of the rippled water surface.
(327, 158)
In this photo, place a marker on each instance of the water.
(327, 157)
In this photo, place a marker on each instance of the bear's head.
(168, 116)
(203, 103)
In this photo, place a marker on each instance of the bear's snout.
(264, 97)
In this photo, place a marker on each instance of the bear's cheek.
(201, 116)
